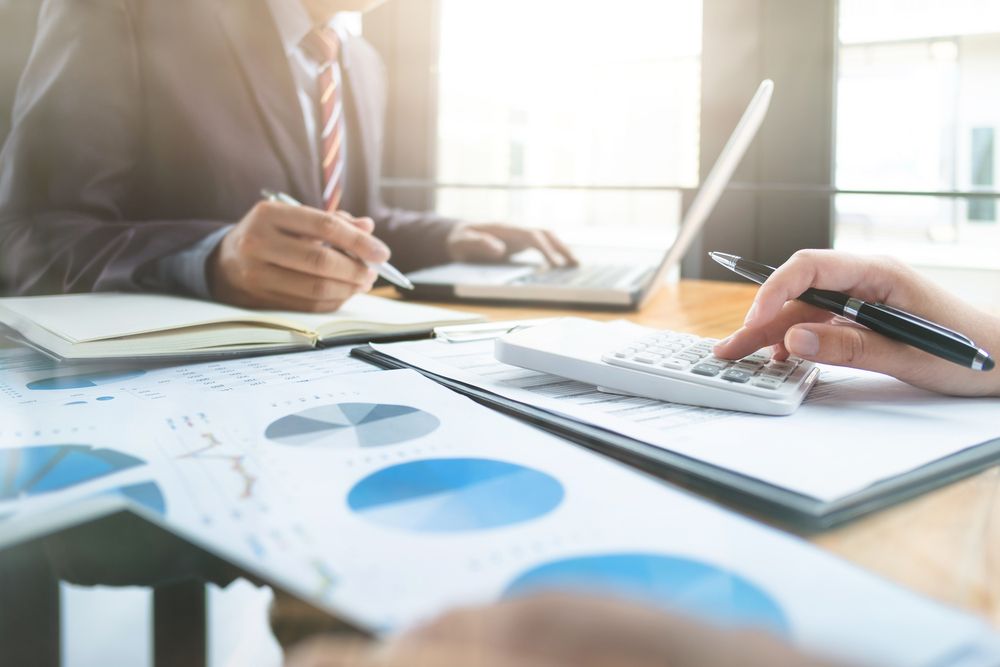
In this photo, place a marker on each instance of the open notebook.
(110, 325)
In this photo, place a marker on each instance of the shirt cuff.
(186, 272)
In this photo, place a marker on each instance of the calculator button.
(676, 364)
(767, 382)
(748, 367)
(738, 376)
(758, 357)
(708, 370)
(687, 356)
(645, 358)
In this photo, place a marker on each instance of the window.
(590, 122)
(982, 210)
(918, 106)
(584, 116)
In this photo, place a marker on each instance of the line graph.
(213, 450)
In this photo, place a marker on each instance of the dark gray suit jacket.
(142, 126)
(17, 34)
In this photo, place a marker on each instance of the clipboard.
(748, 495)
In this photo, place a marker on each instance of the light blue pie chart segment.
(35, 471)
(454, 495)
(352, 425)
(32, 471)
(84, 380)
(145, 494)
(677, 584)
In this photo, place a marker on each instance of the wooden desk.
(945, 544)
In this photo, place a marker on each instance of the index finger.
(519, 238)
(335, 230)
(564, 249)
(868, 278)
(748, 340)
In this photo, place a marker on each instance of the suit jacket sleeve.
(417, 239)
(67, 171)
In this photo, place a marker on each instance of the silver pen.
(384, 269)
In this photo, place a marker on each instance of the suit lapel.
(250, 30)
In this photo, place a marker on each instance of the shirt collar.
(294, 24)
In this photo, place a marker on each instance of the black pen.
(880, 318)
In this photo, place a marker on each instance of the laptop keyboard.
(590, 276)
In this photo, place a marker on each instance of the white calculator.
(620, 357)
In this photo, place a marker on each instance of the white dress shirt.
(294, 24)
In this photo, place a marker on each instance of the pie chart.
(146, 494)
(454, 495)
(83, 381)
(350, 425)
(31, 471)
(670, 582)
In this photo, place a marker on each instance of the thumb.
(847, 345)
(475, 246)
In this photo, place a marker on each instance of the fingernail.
(750, 314)
(725, 341)
(802, 342)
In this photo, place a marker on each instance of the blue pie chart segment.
(351, 425)
(84, 380)
(146, 494)
(31, 471)
(454, 495)
(670, 582)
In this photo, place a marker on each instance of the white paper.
(29, 379)
(855, 428)
(410, 499)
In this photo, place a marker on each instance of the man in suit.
(144, 131)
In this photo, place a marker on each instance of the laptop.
(619, 285)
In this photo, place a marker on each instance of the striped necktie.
(323, 46)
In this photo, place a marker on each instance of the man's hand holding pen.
(292, 257)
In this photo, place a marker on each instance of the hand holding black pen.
(786, 314)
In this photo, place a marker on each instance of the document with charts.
(28, 378)
(854, 430)
(319, 487)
